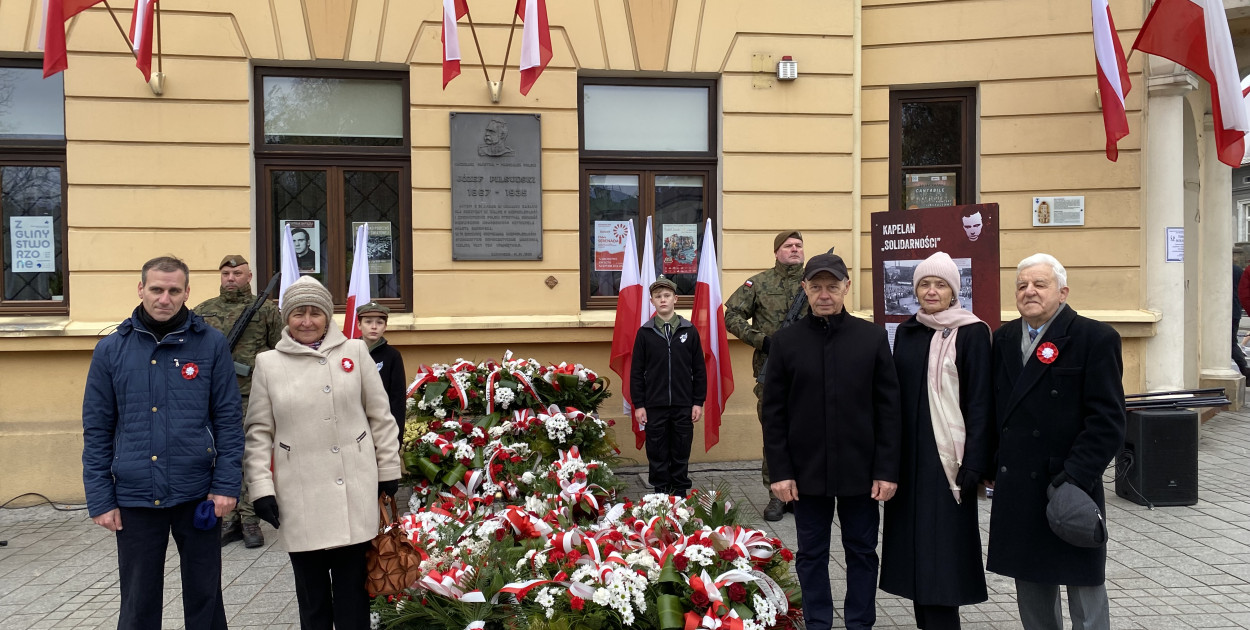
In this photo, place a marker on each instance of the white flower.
(410, 403)
(504, 396)
(374, 620)
(700, 554)
(440, 413)
(535, 504)
(497, 432)
(451, 425)
(742, 564)
(527, 477)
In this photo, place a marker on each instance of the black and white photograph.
(305, 238)
(900, 297)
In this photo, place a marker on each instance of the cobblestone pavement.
(1170, 567)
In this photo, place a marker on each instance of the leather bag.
(392, 564)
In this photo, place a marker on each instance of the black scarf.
(160, 329)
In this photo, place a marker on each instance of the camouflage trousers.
(759, 413)
(243, 511)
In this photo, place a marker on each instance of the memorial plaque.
(496, 187)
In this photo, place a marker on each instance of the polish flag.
(358, 288)
(1245, 94)
(1113, 80)
(708, 317)
(535, 41)
(453, 10)
(629, 301)
(647, 275)
(1194, 34)
(52, 36)
(288, 262)
(141, 21)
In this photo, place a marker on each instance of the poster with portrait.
(305, 239)
(610, 245)
(381, 246)
(901, 239)
(681, 249)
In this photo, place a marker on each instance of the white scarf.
(943, 383)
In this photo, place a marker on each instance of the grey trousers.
(1040, 609)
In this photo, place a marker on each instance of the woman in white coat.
(319, 412)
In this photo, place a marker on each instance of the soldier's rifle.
(236, 331)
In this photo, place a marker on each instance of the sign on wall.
(32, 245)
(1058, 211)
(901, 239)
(496, 187)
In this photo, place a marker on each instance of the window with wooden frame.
(332, 154)
(32, 190)
(647, 150)
(932, 148)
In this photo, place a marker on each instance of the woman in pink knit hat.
(931, 547)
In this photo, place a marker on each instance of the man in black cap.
(757, 309)
(832, 430)
(263, 333)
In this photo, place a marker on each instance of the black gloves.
(768, 342)
(388, 488)
(967, 480)
(267, 509)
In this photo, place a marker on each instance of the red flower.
(467, 461)
(495, 469)
(681, 562)
(434, 458)
(574, 556)
(478, 442)
(556, 556)
(576, 603)
(787, 555)
(500, 533)
(472, 393)
(728, 555)
(481, 379)
(453, 393)
(516, 459)
(466, 427)
(561, 576)
(737, 592)
(579, 476)
(699, 599)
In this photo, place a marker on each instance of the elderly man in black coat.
(1060, 417)
(831, 434)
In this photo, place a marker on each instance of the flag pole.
(130, 45)
(477, 44)
(160, 58)
(508, 50)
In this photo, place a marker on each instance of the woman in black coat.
(931, 547)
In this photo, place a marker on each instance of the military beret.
(782, 237)
(233, 260)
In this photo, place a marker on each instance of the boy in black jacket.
(372, 321)
(668, 383)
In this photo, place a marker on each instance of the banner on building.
(903, 238)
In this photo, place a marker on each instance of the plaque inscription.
(496, 187)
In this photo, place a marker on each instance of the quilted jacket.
(162, 421)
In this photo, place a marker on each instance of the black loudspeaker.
(1159, 464)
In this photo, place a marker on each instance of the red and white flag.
(647, 275)
(1245, 94)
(1113, 80)
(629, 301)
(358, 288)
(1194, 34)
(708, 317)
(453, 10)
(52, 36)
(535, 41)
(288, 262)
(142, 20)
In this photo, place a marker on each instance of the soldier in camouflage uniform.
(756, 310)
(261, 334)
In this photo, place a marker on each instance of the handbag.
(392, 564)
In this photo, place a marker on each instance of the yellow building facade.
(181, 173)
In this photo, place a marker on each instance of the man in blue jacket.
(163, 433)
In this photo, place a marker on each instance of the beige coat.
(330, 433)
